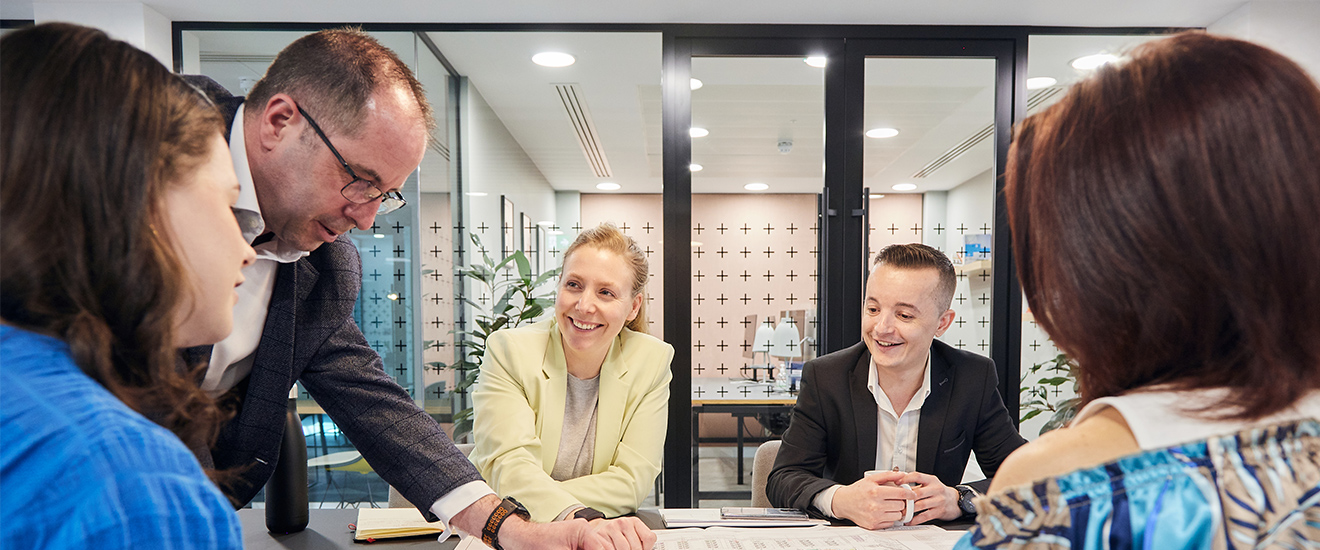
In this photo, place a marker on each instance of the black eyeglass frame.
(390, 201)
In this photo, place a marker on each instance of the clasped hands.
(879, 499)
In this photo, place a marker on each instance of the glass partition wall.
(760, 168)
(406, 263)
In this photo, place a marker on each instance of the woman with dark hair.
(118, 248)
(1164, 217)
(569, 413)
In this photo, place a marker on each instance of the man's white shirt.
(231, 359)
(896, 434)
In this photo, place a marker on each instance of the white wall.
(1289, 27)
(497, 165)
(132, 22)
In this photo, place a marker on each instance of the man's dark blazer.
(832, 436)
(310, 336)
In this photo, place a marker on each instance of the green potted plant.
(512, 288)
(1036, 397)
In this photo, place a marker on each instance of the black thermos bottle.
(286, 492)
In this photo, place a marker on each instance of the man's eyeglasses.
(358, 191)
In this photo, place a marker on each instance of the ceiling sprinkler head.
(785, 146)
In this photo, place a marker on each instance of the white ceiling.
(748, 104)
(1090, 13)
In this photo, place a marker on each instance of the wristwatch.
(965, 496)
(508, 507)
(588, 514)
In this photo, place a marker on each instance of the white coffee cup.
(907, 513)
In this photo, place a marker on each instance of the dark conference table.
(326, 529)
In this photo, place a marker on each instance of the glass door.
(892, 141)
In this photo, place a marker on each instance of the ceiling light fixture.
(698, 132)
(475, 194)
(545, 223)
(1088, 62)
(875, 196)
(694, 167)
(817, 61)
(905, 187)
(756, 187)
(553, 59)
(696, 84)
(1038, 82)
(607, 186)
(881, 133)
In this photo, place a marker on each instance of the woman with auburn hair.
(570, 413)
(1164, 221)
(118, 248)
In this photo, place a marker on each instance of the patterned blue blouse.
(1255, 489)
(80, 469)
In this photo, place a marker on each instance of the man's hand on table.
(628, 533)
(934, 499)
(875, 501)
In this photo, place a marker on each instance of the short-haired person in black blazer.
(899, 402)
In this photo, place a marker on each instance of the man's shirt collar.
(247, 209)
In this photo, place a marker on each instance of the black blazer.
(310, 336)
(832, 437)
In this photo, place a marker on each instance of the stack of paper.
(710, 517)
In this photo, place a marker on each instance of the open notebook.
(388, 523)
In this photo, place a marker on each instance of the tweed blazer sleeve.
(346, 377)
(518, 419)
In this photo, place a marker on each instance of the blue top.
(79, 469)
(1254, 489)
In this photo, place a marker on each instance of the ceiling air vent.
(1038, 97)
(220, 57)
(440, 148)
(576, 108)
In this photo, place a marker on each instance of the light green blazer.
(518, 416)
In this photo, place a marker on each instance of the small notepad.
(389, 523)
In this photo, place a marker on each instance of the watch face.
(965, 497)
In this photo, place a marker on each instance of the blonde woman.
(570, 413)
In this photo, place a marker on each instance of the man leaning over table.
(899, 402)
(321, 146)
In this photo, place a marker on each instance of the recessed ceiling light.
(694, 167)
(545, 223)
(607, 186)
(392, 296)
(698, 132)
(1038, 82)
(696, 84)
(880, 133)
(475, 194)
(1088, 62)
(875, 196)
(817, 61)
(905, 187)
(553, 59)
(696, 243)
(379, 236)
(756, 187)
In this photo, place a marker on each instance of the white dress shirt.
(231, 359)
(895, 437)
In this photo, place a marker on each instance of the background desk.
(741, 399)
(326, 529)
